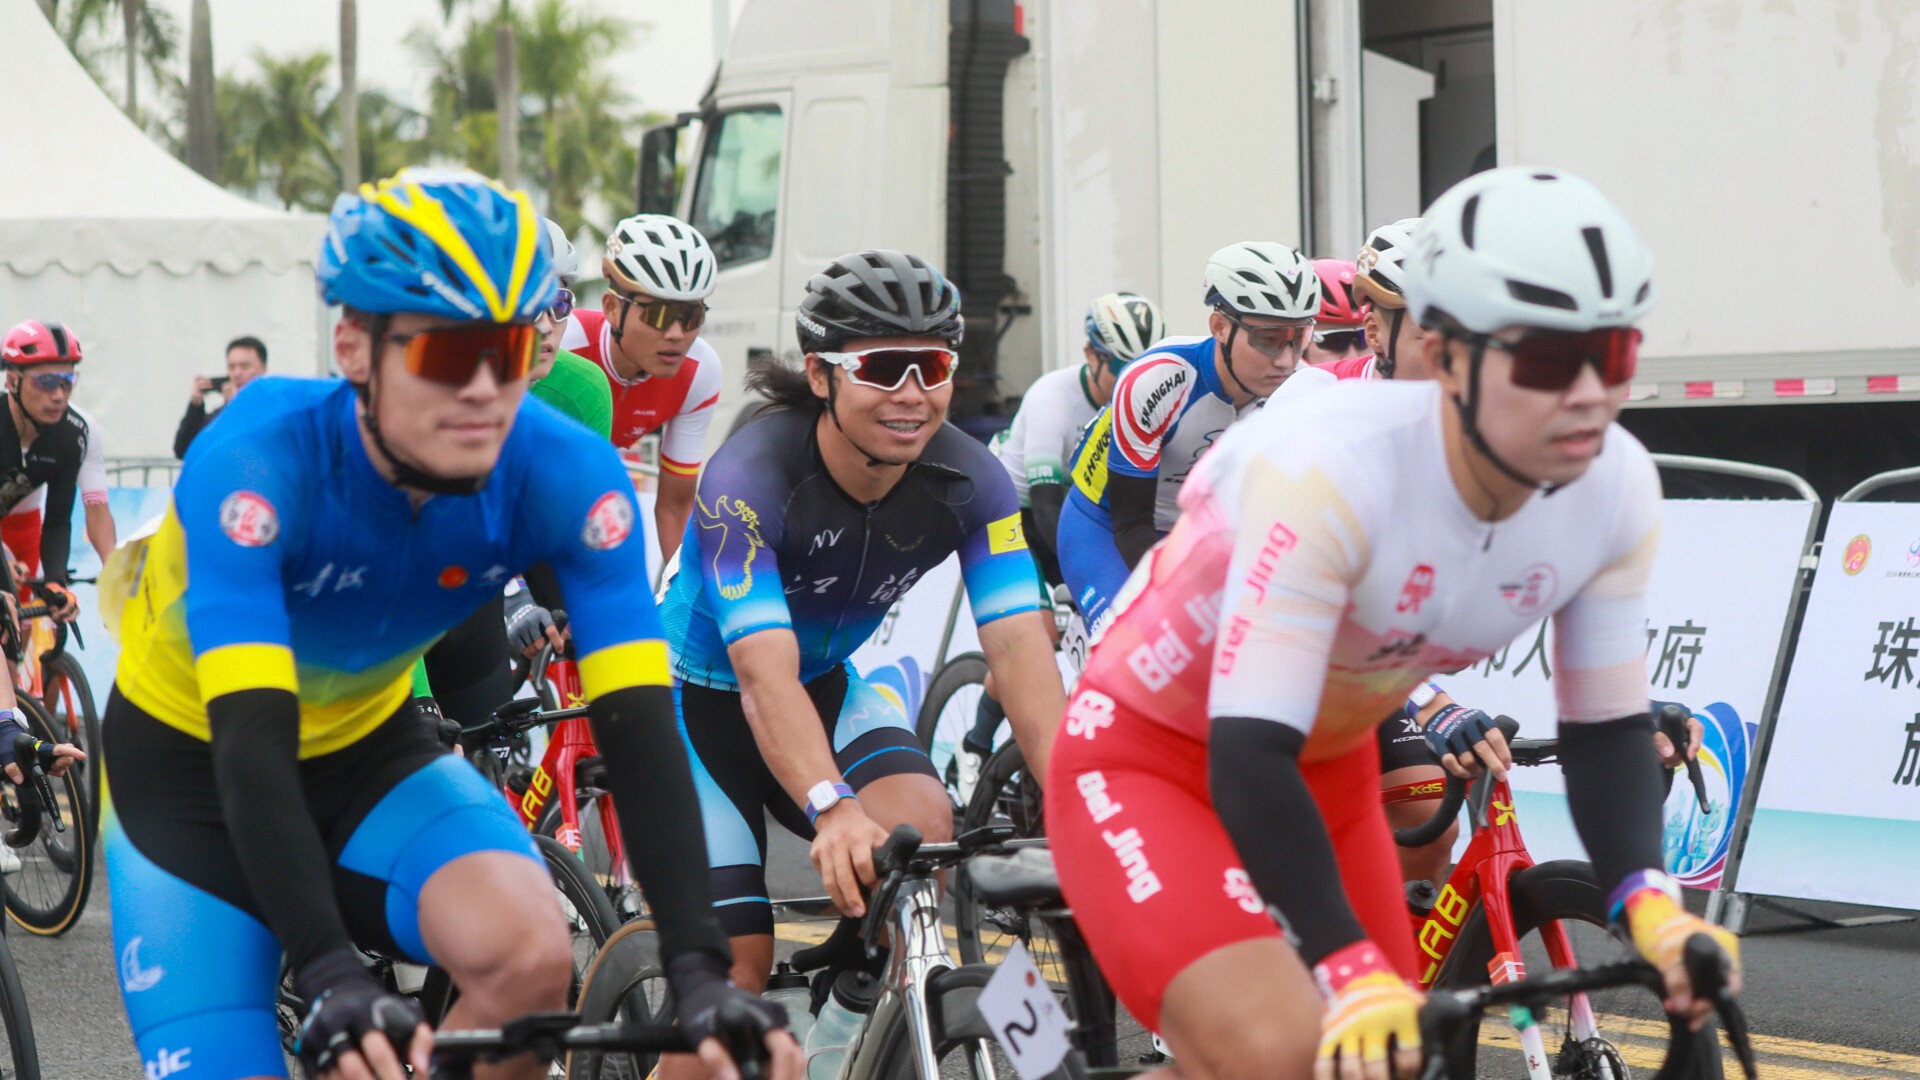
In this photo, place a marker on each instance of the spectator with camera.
(246, 361)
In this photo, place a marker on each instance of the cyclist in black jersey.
(809, 524)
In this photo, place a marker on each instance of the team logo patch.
(1530, 595)
(453, 577)
(609, 523)
(1006, 535)
(249, 519)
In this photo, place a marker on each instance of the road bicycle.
(37, 808)
(56, 680)
(551, 1036)
(50, 889)
(1500, 911)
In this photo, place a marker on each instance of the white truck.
(1046, 151)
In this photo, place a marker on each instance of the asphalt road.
(1824, 1003)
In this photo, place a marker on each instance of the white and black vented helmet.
(1380, 270)
(878, 293)
(1123, 325)
(1261, 277)
(566, 261)
(1527, 247)
(661, 256)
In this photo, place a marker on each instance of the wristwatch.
(822, 796)
(1421, 697)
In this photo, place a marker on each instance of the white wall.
(1394, 93)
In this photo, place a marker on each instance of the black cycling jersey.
(54, 460)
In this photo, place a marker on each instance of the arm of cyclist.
(1614, 785)
(1131, 500)
(1019, 652)
(786, 727)
(1014, 618)
(624, 671)
(65, 754)
(56, 546)
(1046, 501)
(672, 505)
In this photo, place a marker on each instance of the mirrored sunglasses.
(453, 355)
(887, 368)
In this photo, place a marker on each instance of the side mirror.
(660, 168)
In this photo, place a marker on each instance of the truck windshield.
(738, 190)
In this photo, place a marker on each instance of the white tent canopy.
(153, 267)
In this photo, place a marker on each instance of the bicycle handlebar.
(1450, 799)
(550, 1035)
(34, 757)
(518, 716)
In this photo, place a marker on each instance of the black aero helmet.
(878, 293)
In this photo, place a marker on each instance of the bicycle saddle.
(1024, 879)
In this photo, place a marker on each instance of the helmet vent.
(1541, 296)
(1597, 247)
(1467, 218)
(1646, 288)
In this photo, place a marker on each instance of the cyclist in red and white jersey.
(664, 378)
(1217, 768)
(1379, 283)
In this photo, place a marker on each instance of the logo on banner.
(1913, 554)
(1533, 592)
(1854, 558)
(1696, 843)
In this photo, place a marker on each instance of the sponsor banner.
(1839, 815)
(901, 657)
(1715, 612)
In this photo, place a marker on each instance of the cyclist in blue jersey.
(1171, 403)
(268, 788)
(810, 522)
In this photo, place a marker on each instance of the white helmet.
(1123, 325)
(1260, 277)
(1527, 247)
(566, 261)
(1380, 270)
(662, 256)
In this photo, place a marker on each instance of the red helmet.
(35, 342)
(1338, 305)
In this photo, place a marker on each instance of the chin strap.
(405, 474)
(1384, 362)
(1226, 360)
(1469, 409)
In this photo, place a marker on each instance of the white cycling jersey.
(1040, 441)
(1324, 563)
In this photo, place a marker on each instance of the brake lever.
(1707, 972)
(877, 905)
(1673, 724)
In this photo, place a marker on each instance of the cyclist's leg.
(1405, 759)
(198, 969)
(1346, 789)
(876, 749)
(1158, 891)
(1089, 562)
(735, 789)
(471, 668)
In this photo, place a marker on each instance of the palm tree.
(130, 29)
(349, 95)
(460, 92)
(561, 53)
(203, 119)
(290, 140)
(506, 77)
(148, 38)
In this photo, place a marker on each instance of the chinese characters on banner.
(1839, 814)
(1715, 612)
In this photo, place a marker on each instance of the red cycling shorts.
(21, 533)
(1151, 875)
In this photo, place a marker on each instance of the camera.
(219, 383)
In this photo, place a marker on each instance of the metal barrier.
(1871, 484)
(118, 468)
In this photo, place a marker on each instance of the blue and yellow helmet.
(437, 242)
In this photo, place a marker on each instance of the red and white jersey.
(680, 407)
(1352, 367)
(1324, 564)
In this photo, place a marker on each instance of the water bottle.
(789, 988)
(838, 1021)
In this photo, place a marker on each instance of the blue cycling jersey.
(313, 574)
(774, 543)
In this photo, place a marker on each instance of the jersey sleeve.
(578, 334)
(994, 560)
(1147, 403)
(238, 514)
(1600, 636)
(93, 466)
(592, 537)
(1298, 549)
(683, 442)
(737, 522)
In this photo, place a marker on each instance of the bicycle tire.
(595, 854)
(625, 983)
(590, 917)
(953, 1007)
(956, 675)
(48, 893)
(18, 1024)
(1562, 890)
(1004, 795)
(62, 666)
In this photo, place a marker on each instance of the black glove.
(1455, 729)
(708, 1004)
(527, 622)
(346, 1006)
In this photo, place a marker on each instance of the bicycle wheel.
(625, 983)
(947, 714)
(49, 890)
(596, 854)
(69, 700)
(1006, 795)
(18, 1026)
(962, 1042)
(1627, 1030)
(590, 919)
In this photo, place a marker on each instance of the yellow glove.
(1660, 927)
(1368, 1005)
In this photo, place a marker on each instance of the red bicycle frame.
(570, 745)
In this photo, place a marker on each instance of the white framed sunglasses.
(887, 368)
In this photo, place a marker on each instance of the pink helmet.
(1338, 305)
(36, 342)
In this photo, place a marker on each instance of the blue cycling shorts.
(199, 969)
